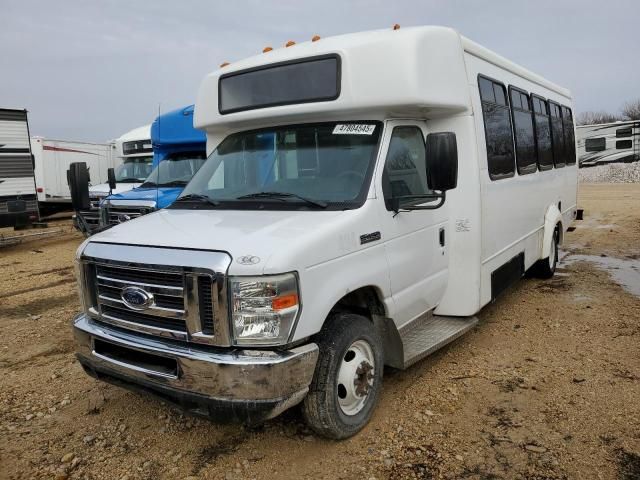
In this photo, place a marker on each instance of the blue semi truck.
(179, 150)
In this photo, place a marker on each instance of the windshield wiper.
(149, 185)
(282, 196)
(196, 197)
(173, 183)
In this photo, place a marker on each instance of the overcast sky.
(92, 70)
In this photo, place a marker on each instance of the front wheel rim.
(356, 377)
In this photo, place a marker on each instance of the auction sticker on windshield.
(353, 129)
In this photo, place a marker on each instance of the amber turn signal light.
(285, 301)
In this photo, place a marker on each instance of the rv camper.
(18, 201)
(608, 143)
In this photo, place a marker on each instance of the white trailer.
(608, 143)
(52, 159)
(18, 202)
(364, 197)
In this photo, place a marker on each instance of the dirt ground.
(546, 387)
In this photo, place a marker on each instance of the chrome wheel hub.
(355, 377)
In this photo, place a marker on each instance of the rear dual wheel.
(348, 377)
(546, 267)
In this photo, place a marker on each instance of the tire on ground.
(546, 267)
(321, 408)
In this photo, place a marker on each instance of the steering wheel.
(351, 173)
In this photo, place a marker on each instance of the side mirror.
(442, 161)
(78, 177)
(111, 178)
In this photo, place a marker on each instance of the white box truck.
(52, 159)
(364, 197)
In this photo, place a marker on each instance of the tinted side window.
(595, 144)
(543, 135)
(624, 144)
(498, 134)
(405, 171)
(557, 135)
(569, 136)
(623, 132)
(523, 133)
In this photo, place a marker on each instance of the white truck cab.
(364, 197)
(135, 155)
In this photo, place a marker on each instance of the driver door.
(415, 241)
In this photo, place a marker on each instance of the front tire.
(348, 377)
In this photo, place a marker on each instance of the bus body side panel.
(513, 209)
(463, 234)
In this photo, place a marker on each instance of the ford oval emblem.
(248, 260)
(136, 298)
(123, 218)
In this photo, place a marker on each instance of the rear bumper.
(226, 385)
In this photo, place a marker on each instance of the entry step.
(427, 334)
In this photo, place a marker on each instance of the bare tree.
(593, 118)
(631, 110)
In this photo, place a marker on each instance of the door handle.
(441, 236)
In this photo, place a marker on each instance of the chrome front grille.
(167, 314)
(92, 216)
(121, 214)
(182, 303)
(184, 297)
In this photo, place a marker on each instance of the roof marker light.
(315, 38)
(222, 65)
(396, 26)
(266, 49)
(290, 43)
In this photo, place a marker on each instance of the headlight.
(264, 309)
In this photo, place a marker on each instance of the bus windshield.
(133, 170)
(326, 165)
(176, 170)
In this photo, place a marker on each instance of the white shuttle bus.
(364, 197)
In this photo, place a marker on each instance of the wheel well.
(364, 301)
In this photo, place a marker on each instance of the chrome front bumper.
(224, 384)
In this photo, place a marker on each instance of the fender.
(552, 218)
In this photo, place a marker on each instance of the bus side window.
(497, 129)
(569, 137)
(557, 135)
(543, 133)
(523, 132)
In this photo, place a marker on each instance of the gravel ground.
(546, 387)
(611, 173)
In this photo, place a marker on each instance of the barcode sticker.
(353, 129)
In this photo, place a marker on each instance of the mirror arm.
(395, 202)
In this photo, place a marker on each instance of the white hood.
(283, 240)
(102, 189)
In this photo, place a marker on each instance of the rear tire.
(348, 377)
(546, 267)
